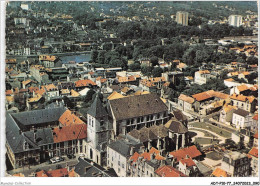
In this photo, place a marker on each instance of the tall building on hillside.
(182, 18)
(235, 20)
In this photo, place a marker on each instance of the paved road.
(219, 137)
(44, 166)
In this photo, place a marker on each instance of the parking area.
(28, 170)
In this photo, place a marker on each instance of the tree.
(94, 55)
(157, 72)
(154, 61)
(68, 102)
(146, 70)
(89, 95)
(135, 67)
(101, 57)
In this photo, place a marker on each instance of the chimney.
(142, 149)
(34, 134)
(162, 162)
(131, 150)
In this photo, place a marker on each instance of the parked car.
(58, 159)
(70, 156)
(52, 160)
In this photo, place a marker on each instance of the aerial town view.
(131, 89)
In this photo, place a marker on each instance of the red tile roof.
(256, 135)
(8, 92)
(68, 119)
(254, 152)
(218, 172)
(51, 87)
(84, 83)
(47, 58)
(168, 171)
(53, 173)
(188, 161)
(255, 117)
(243, 98)
(69, 133)
(191, 151)
(186, 98)
(201, 96)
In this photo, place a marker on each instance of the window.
(123, 166)
(92, 123)
(118, 169)
(119, 163)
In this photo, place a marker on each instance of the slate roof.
(85, 169)
(176, 127)
(169, 171)
(123, 147)
(38, 116)
(179, 115)
(42, 136)
(136, 106)
(241, 112)
(97, 109)
(14, 138)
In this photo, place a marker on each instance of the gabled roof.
(204, 72)
(74, 93)
(69, 133)
(186, 98)
(51, 87)
(85, 168)
(256, 135)
(36, 98)
(201, 96)
(68, 118)
(136, 106)
(168, 171)
(243, 98)
(53, 173)
(254, 152)
(38, 116)
(123, 147)
(191, 151)
(97, 109)
(228, 108)
(8, 92)
(188, 162)
(255, 117)
(176, 126)
(84, 83)
(218, 172)
(241, 112)
(115, 95)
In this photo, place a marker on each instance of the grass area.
(206, 134)
(203, 141)
(212, 128)
(214, 156)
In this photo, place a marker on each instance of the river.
(77, 58)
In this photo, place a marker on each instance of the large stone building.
(135, 112)
(99, 131)
(35, 136)
(236, 164)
